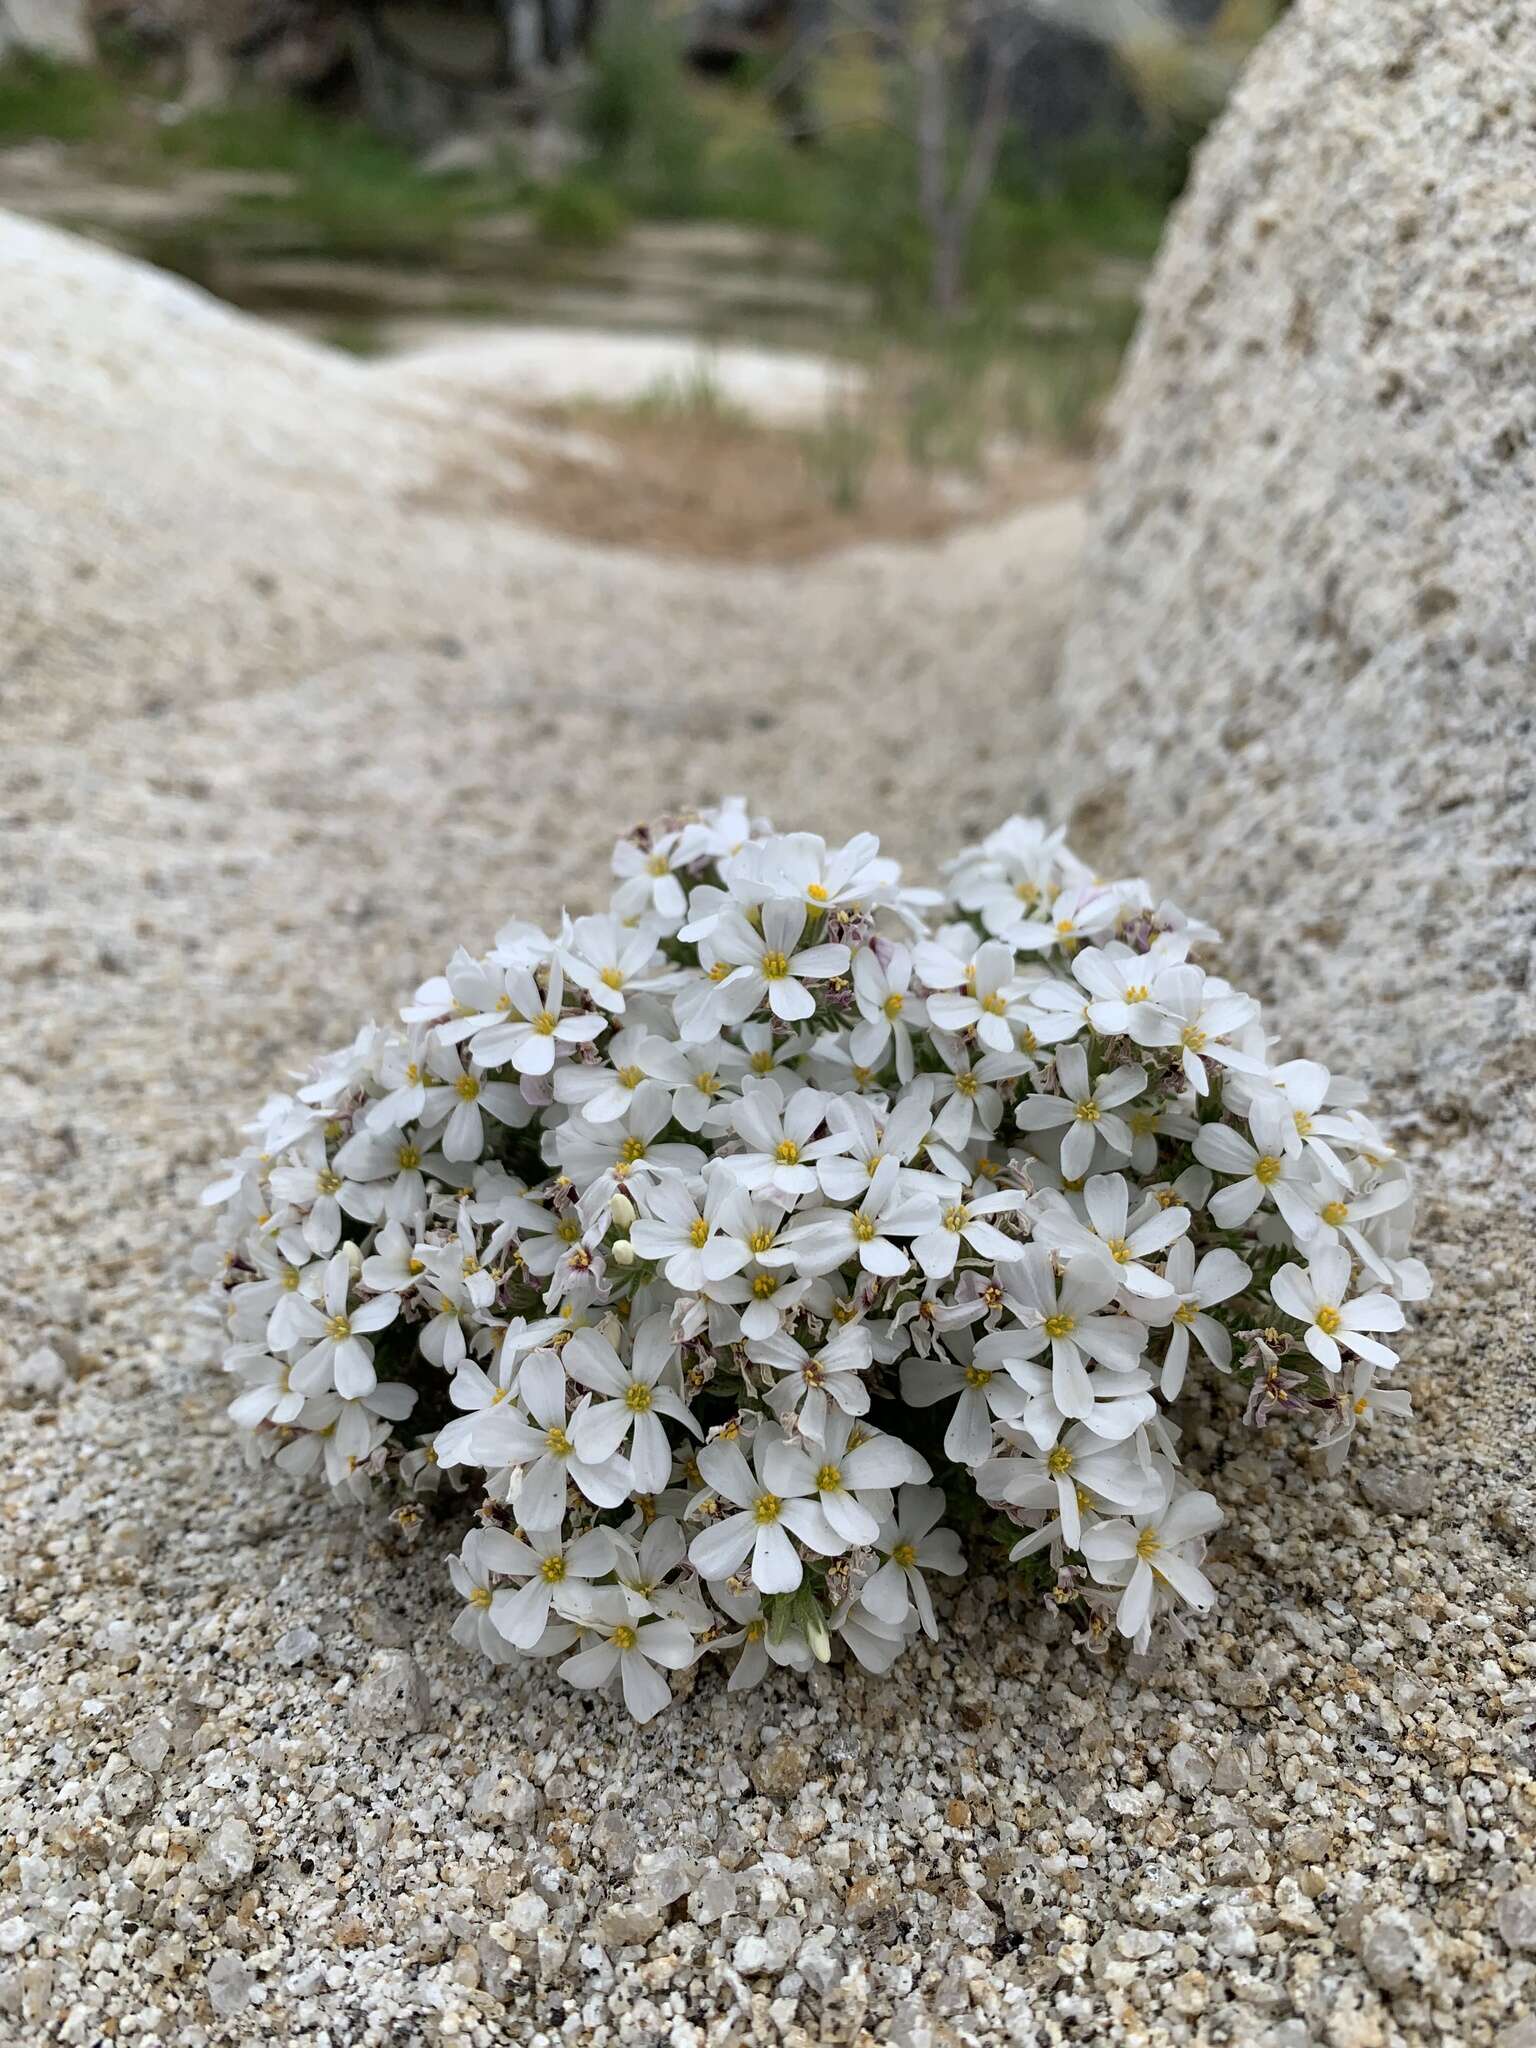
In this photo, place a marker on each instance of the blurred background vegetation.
(762, 171)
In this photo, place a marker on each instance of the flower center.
(977, 1376)
(338, 1329)
(905, 1554)
(1119, 1250)
(1328, 1320)
(762, 1062)
(1088, 1112)
(552, 1569)
(1059, 1463)
(1266, 1171)
(1302, 1122)
(764, 1286)
(637, 1398)
(1060, 1325)
(817, 892)
(775, 966)
(863, 1228)
(994, 1005)
(893, 1005)
(1138, 992)
(706, 1084)
(829, 1479)
(624, 1637)
(569, 1231)
(1186, 1312)
(480, 1597)
(327, 1182)
(544, 1024)
(408, 1159)
(957, 1218)
(631, 1076)
(466, 1087)
(766, 1509)
(813, 1373)
(290, 1278)
(1148, 1544)
(698, 1233)
(1027, 892)
(631, 1150)
(966, 1084)
(611, 978)
(656, 865)
(760, 1241)
(557, 1442)
(1192, 1038)
(1336, 1212)
(787, 1153)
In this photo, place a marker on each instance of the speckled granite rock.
(1306, 652)
(272, 736)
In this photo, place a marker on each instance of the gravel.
(273, 740)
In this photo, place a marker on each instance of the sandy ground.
(272, 742)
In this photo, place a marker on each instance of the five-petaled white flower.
(776, 1500)
(1315, 1296)
(1084, 1111)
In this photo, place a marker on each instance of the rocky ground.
(275, 737)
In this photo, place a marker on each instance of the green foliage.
(646, 130)
(840, 452)
(351, 192)
(579, 213)
(41, 100)
(694, 397)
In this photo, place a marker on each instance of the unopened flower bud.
(623, 1211)
(623, 1252)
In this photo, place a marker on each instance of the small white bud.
(623, 1211)
(623, 1252)
(816, 1635)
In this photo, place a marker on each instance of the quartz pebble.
(393, 1697)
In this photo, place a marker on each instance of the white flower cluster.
(734, 1232)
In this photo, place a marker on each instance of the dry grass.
(685, 475)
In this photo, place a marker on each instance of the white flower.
(1063, 1315)
(465, 1099)
(1266, 1170)
(634, 1399)
(984, 1391)
(688, 1238)
(868, 1138)
(611, 961)
(1194, 1289)
(1197, 1015)
(991, 1000)
(1111, 1235)
(527, 1027)
(548, 1568)
(754, 1637)
(639, 1651)
(766, 965)
(1360, 1402)
(313, 1181)
(825, 1238)
(340, 1358)
(470, 1572)
(909, 1545)
(851, 1470)
(781, 1152)
(1056, 1479)
(808, 1381)
(268, 1395)
(1154, 1548)
(647, 880)
(1083, 1110)
(888, 1009)
(775, 1502)
(1315, 1296)
(1119, 982)
(544, 1444)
